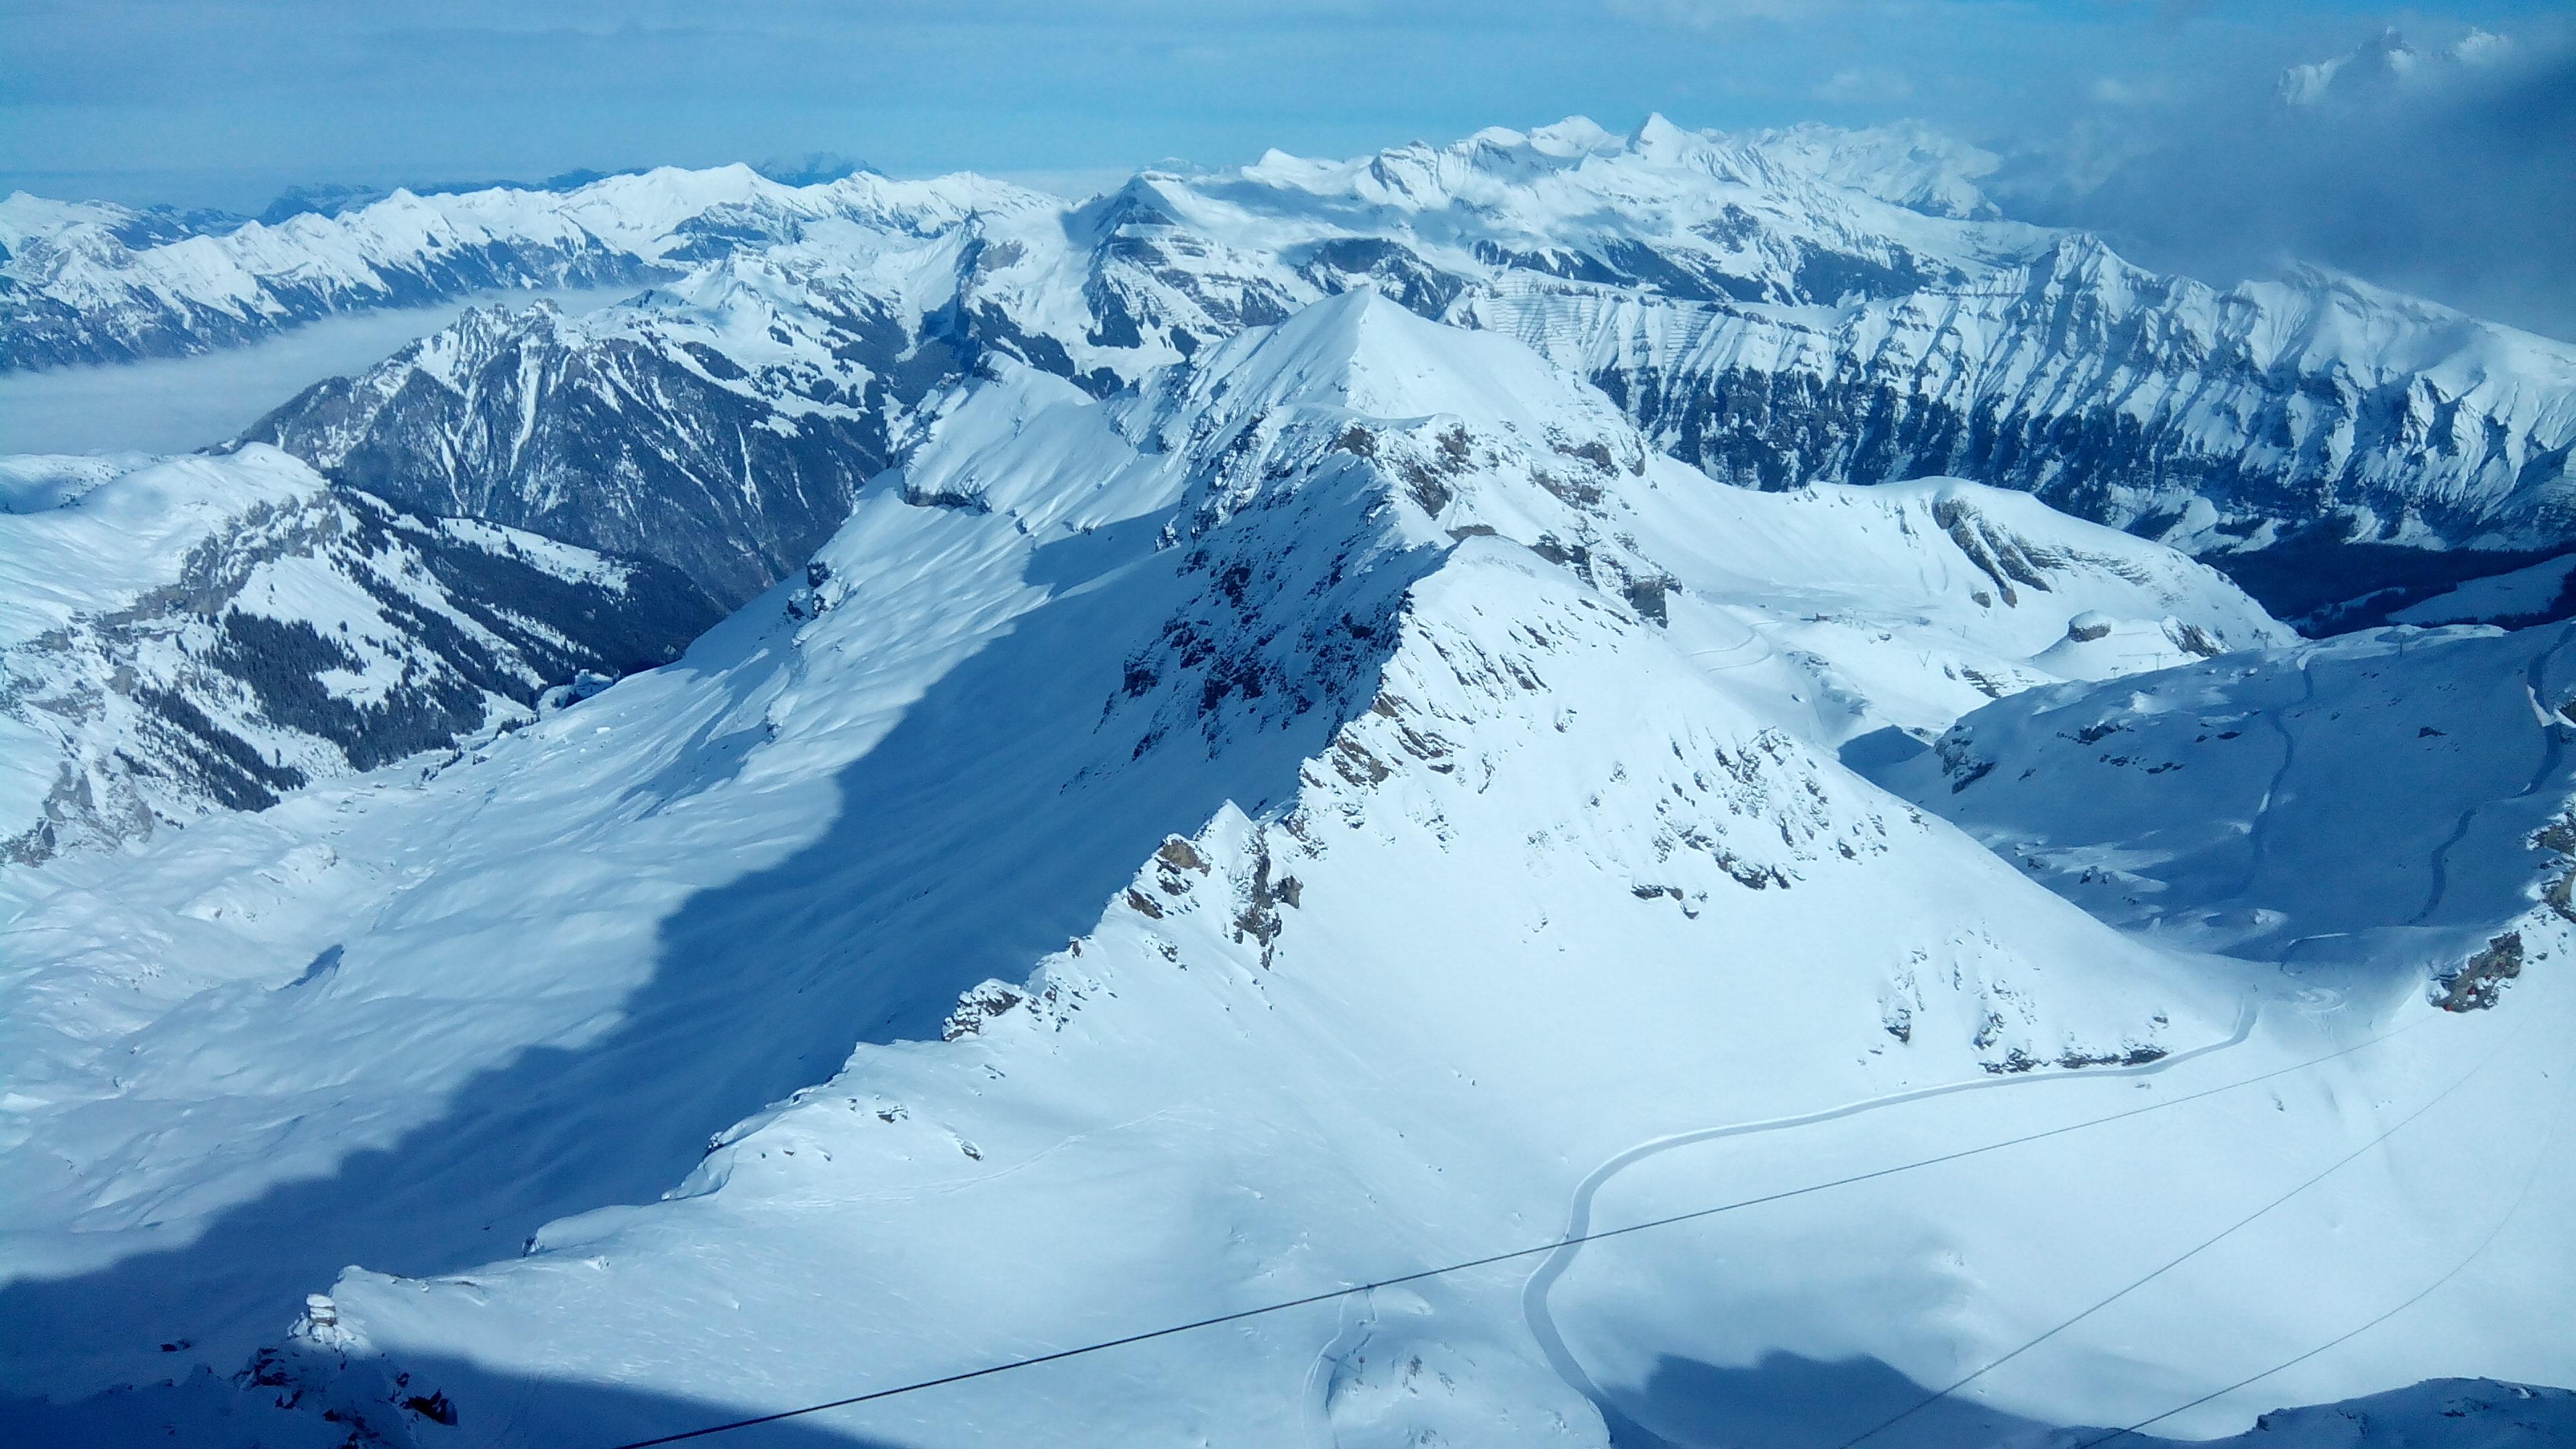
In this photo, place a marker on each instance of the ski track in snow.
(1753, 638)
(815, 1202)
(1578, 1223)
(2553, 749)
(2259, 836)
(1349, 1336)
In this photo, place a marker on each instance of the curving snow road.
(1578, 1222)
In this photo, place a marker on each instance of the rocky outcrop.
(2213, 420)
(636, 443)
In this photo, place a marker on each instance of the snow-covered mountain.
(1789, 307)
(1347, 804)
(208, 633)
(1778, 309)
(624, 437)
(89, 282)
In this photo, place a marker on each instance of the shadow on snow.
(990, 825)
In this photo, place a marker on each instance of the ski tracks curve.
(1534, 1309)
(2553, 750)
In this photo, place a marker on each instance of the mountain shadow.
(450, 1403)
(991, 823)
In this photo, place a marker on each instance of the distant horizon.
(2429, 149)
(248, 198)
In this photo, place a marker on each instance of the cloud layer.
(2448, 171)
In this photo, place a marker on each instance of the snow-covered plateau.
(1571, 789)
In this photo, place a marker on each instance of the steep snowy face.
(1762, 312)
(1344, 805)
(207, 633)
(2372, 805)
(1780, 309)
(1901, 606)
(2216, 421)
(1172, 260)
(982, 707)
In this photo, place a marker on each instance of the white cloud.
(2447, 170)
(2113, 90)
(2388, 65)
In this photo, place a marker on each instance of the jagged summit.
(1907, 164)
(1808, 309)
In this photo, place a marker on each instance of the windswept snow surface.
(2221, 804)
(1298, 822)
(2509, 598)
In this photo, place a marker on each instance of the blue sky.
(224, 102)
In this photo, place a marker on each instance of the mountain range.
(1577, 788)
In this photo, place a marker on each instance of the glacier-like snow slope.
(1419, 802)
(2382, 801)
(201, 633)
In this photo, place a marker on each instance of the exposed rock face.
(612, 443)
(2475, 984)
(2214, 420)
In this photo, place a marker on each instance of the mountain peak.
(1573, 136)
(1364, 352)
(1660, 140)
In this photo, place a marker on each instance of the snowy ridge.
(81, 293)
(634, 435)
(2216, 421)
(1330, 800)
